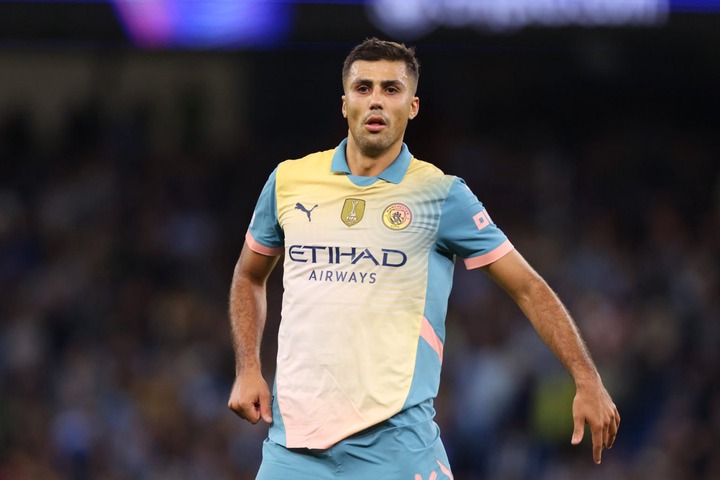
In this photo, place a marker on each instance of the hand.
(593, 405)
(250, 397)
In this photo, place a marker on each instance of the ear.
(414, 108)
(344, 107)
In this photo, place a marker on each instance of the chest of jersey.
(358, 241)
(332, 211)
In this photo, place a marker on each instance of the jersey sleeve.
(466, 229)
(265, 236)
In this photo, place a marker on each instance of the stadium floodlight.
(203, 23)
(412, 19)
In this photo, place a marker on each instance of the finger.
(578, 430)
(265, 407)
(606, 434)
(612, 433)
(615, 426)
(597, 441)
(252, 412)
(245, 410)
(235, 407)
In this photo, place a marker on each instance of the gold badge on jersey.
(352, 211)
(397, 216)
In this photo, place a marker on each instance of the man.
(370, 235)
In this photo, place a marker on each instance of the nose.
(376, 99)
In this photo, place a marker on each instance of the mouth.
(375, 123)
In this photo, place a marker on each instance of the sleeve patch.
(482, 219)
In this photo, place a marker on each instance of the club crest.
(352, 211)
(397, 216)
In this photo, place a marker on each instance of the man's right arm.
(250, 395)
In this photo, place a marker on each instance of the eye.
(362, 89)
(392, 90)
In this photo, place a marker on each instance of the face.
(379, 101)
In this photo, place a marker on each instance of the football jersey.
(367, 275)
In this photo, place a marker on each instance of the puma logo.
(300, 206)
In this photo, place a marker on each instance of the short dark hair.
(373, 50)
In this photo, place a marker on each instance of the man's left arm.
(592, 404)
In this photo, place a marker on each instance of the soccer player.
(370, 235)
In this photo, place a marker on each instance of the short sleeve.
(466, 229)
(265, 236)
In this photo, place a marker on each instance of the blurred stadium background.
(135, 137)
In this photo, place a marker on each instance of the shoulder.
(427, 168)
(303, 171)
(427, 173)
(311, 162)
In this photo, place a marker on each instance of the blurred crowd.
(115, 263)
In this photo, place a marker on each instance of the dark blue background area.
(128, 179)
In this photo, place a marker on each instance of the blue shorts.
(408, 452)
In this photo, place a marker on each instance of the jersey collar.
(394, 173)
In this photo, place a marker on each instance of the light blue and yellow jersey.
(367, 274)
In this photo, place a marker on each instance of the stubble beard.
(373, 144)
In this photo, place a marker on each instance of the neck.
(365, 165)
